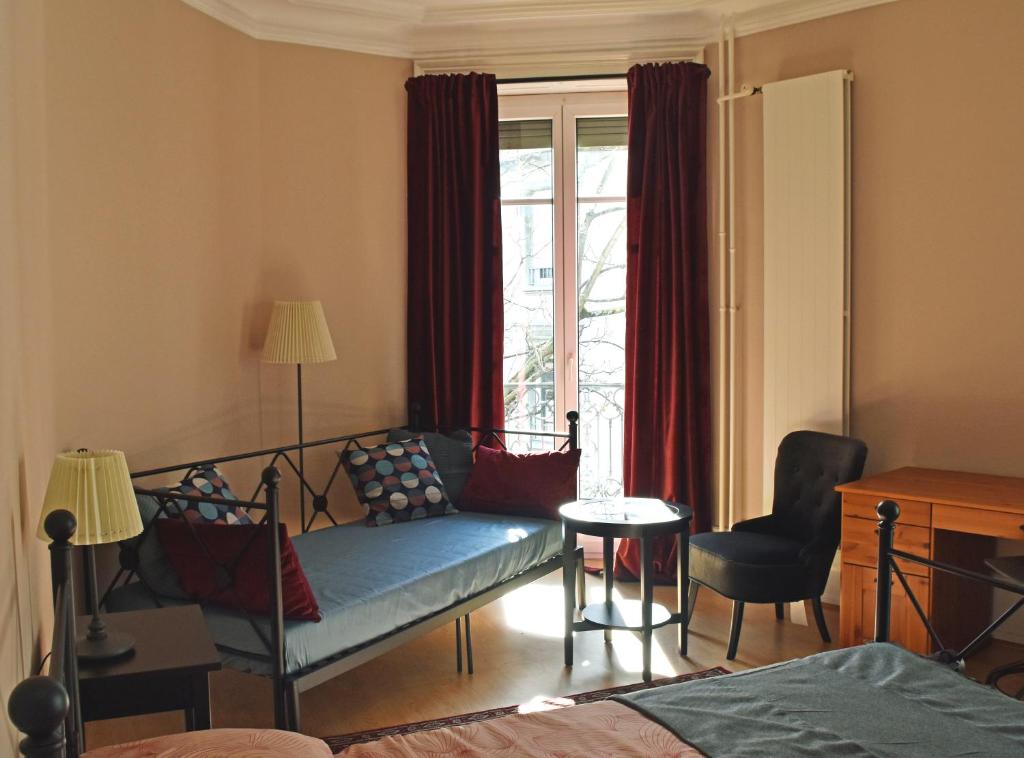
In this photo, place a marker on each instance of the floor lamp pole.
(302, 455)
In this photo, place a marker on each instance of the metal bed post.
(888, 511)
(45, 708)
(271, 478)
(60, 526)
(574, 429)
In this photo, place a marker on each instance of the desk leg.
(609, 565)
(646, 600)
(569, 586)
(198, 717)
(683, 587)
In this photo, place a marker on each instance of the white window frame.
(563, 109)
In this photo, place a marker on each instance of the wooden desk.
(948, 516)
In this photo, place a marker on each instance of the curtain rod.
(576, 78)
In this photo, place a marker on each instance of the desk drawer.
(860, 543)
(979, 521)
(863, 506)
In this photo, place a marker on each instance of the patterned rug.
(339, 743)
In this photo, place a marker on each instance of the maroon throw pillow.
(527, 484)
(202, 579)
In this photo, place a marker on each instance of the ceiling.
(518, 36)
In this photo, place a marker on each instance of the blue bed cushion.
(369, 582)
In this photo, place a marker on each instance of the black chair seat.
(754, 568)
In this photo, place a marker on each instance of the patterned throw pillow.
(396, 482)
(209, 482)
(452, 454)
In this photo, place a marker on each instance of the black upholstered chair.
(784, 557)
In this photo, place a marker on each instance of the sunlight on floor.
(537, 609)
(541, 703)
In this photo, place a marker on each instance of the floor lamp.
(298, 334)
(95, 487)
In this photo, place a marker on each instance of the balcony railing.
(531, 405)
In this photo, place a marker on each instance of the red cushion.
(202, 578)
(528, 484)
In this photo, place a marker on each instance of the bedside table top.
(173, 639)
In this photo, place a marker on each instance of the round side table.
(636, 518)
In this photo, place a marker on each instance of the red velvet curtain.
(668, 345)
(455, 317)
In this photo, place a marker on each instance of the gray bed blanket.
(872, 700)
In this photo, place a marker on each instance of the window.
(563, 187)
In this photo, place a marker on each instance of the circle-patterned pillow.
(396, 481)
(209, 482)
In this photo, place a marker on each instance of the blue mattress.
(371, 581)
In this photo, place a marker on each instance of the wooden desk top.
(168, 639)
(997, 493)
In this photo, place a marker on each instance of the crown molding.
(791, 12)
(524, 37)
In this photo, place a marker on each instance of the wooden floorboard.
(517, 643)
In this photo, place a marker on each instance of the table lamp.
(94, 485)
(298, 334)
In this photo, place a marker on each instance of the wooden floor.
(518, 655)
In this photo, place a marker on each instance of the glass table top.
(624, 510)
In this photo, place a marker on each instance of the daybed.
(875, 700)
(376, 587)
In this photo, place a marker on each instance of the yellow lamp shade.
(298, 333)
(96, 488)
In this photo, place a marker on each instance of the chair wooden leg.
(734, 633)
(780, 611)
(691, 599)
(819, 616)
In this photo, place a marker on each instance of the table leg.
(200, 711)
(609, 565)
(569, 586)
(683, 588)
(646, 600)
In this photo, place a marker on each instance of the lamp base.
(113, 645)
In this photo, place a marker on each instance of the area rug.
(339, 743)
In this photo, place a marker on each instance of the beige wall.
(173, 177)
(333, 186)
(938, 365)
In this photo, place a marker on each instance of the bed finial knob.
(60, 526)
(38, 707)
(888, 511)
(271, 476)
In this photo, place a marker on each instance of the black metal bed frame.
(888, 512)
(287, 686)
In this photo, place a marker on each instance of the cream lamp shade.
(95, 486)
(298, 333)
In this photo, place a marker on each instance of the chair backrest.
(807, 469)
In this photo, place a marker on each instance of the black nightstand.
(169, 669)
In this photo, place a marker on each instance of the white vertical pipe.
(732, 274)
(722, 517)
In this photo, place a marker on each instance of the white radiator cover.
(806, 259)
